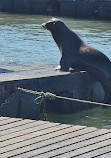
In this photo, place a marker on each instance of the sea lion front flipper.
(65, 63)
(58, 68)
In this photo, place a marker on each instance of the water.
(96, 117)
(24, 41)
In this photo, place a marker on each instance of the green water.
(24, 41)
(97, 117)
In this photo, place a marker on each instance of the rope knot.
(44, 96)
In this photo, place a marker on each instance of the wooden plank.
(9, 120)
(14, 124)
(9, 128)
(32, 135)
(27, 148)
(31, 138)
(3, 118)
(86, 149)
(36, 71)
(50, 138)
(49, 144)
(106, 155)
(97, 153)
(75, 143)
(19, 127)
(11, 137)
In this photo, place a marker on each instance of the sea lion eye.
(54, 23)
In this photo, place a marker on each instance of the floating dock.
(23, 138)
(37, 78)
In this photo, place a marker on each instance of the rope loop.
(41, 99)
(44, 96)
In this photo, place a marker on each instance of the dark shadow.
(20, 105)
(5, 71)
(53, 7)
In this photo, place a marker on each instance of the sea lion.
(78, 55)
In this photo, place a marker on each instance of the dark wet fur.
(78, 55)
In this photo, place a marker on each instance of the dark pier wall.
(83, 8)
(71, 8)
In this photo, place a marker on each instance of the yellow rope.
(50, 96)
(44, 96)
(41, 99)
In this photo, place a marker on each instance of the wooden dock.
(24, 138)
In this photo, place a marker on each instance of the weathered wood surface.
(30, 138)
(20, 72)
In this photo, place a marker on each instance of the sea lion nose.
(43, 25)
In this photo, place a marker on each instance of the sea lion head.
(54, 25)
